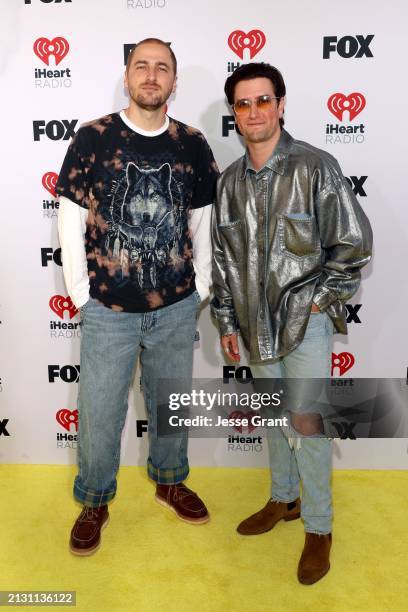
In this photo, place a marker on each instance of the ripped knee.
(307, 424)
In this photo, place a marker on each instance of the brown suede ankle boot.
(267, 518)
(314, 562)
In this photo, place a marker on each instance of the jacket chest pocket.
(233, 240)
(298, 235)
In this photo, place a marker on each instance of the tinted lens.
(263, 102)
(242, 106)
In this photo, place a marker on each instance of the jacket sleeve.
(345, 236)
(222, 307)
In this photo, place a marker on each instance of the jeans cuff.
(167, 475)
(324, 532)
(92, 498)
(274, 498)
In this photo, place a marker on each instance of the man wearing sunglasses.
(289, 241)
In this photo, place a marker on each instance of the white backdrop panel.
(92, 85)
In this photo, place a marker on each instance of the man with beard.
(135, 190)
(289, 241)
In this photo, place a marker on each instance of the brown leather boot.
(188, 506)
(314, 562)
(267, 518)
(86, 533)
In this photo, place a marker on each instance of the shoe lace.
(88, 514)
(181, 492)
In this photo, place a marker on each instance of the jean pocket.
(317, 324)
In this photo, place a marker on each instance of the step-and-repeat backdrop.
(62, 63)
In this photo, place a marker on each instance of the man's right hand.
(230, 346)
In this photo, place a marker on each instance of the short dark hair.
(256, 70)
(157, 41)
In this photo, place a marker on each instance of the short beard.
(154, 104)
(150, 102)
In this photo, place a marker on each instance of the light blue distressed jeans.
(310, 460)
(110, 345)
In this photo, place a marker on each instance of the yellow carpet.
(151, 561)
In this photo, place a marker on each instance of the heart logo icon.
(59, 304)
(254, 41)
(238, 415)
(44, 48)
(343, 361)
(66, 418)
(354, 104)
(49, 181)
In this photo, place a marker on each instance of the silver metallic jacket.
(289, 235)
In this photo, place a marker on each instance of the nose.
(151, 75)
(253, 111)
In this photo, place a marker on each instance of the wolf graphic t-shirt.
(138, 191)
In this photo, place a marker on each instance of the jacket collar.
(276, 162)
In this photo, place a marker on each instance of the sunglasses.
(243, 107)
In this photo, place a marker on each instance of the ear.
(132, 173)
(125, 79)
(174, 85)
(165, 174)
(281, 106)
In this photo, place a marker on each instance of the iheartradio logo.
(66, 418)
(342, 361)
(253, 40)
(60, 304)
(238, 416)
(49, 182)
(44, 48)
(338, 103)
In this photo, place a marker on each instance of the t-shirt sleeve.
(74, 179)
(206, 175)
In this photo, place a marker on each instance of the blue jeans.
(307, 459)
(110, 344)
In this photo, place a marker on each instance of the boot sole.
(309, 582)
(190, 521)
(293, 517)
(86, 552)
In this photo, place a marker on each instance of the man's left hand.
(315, 308)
